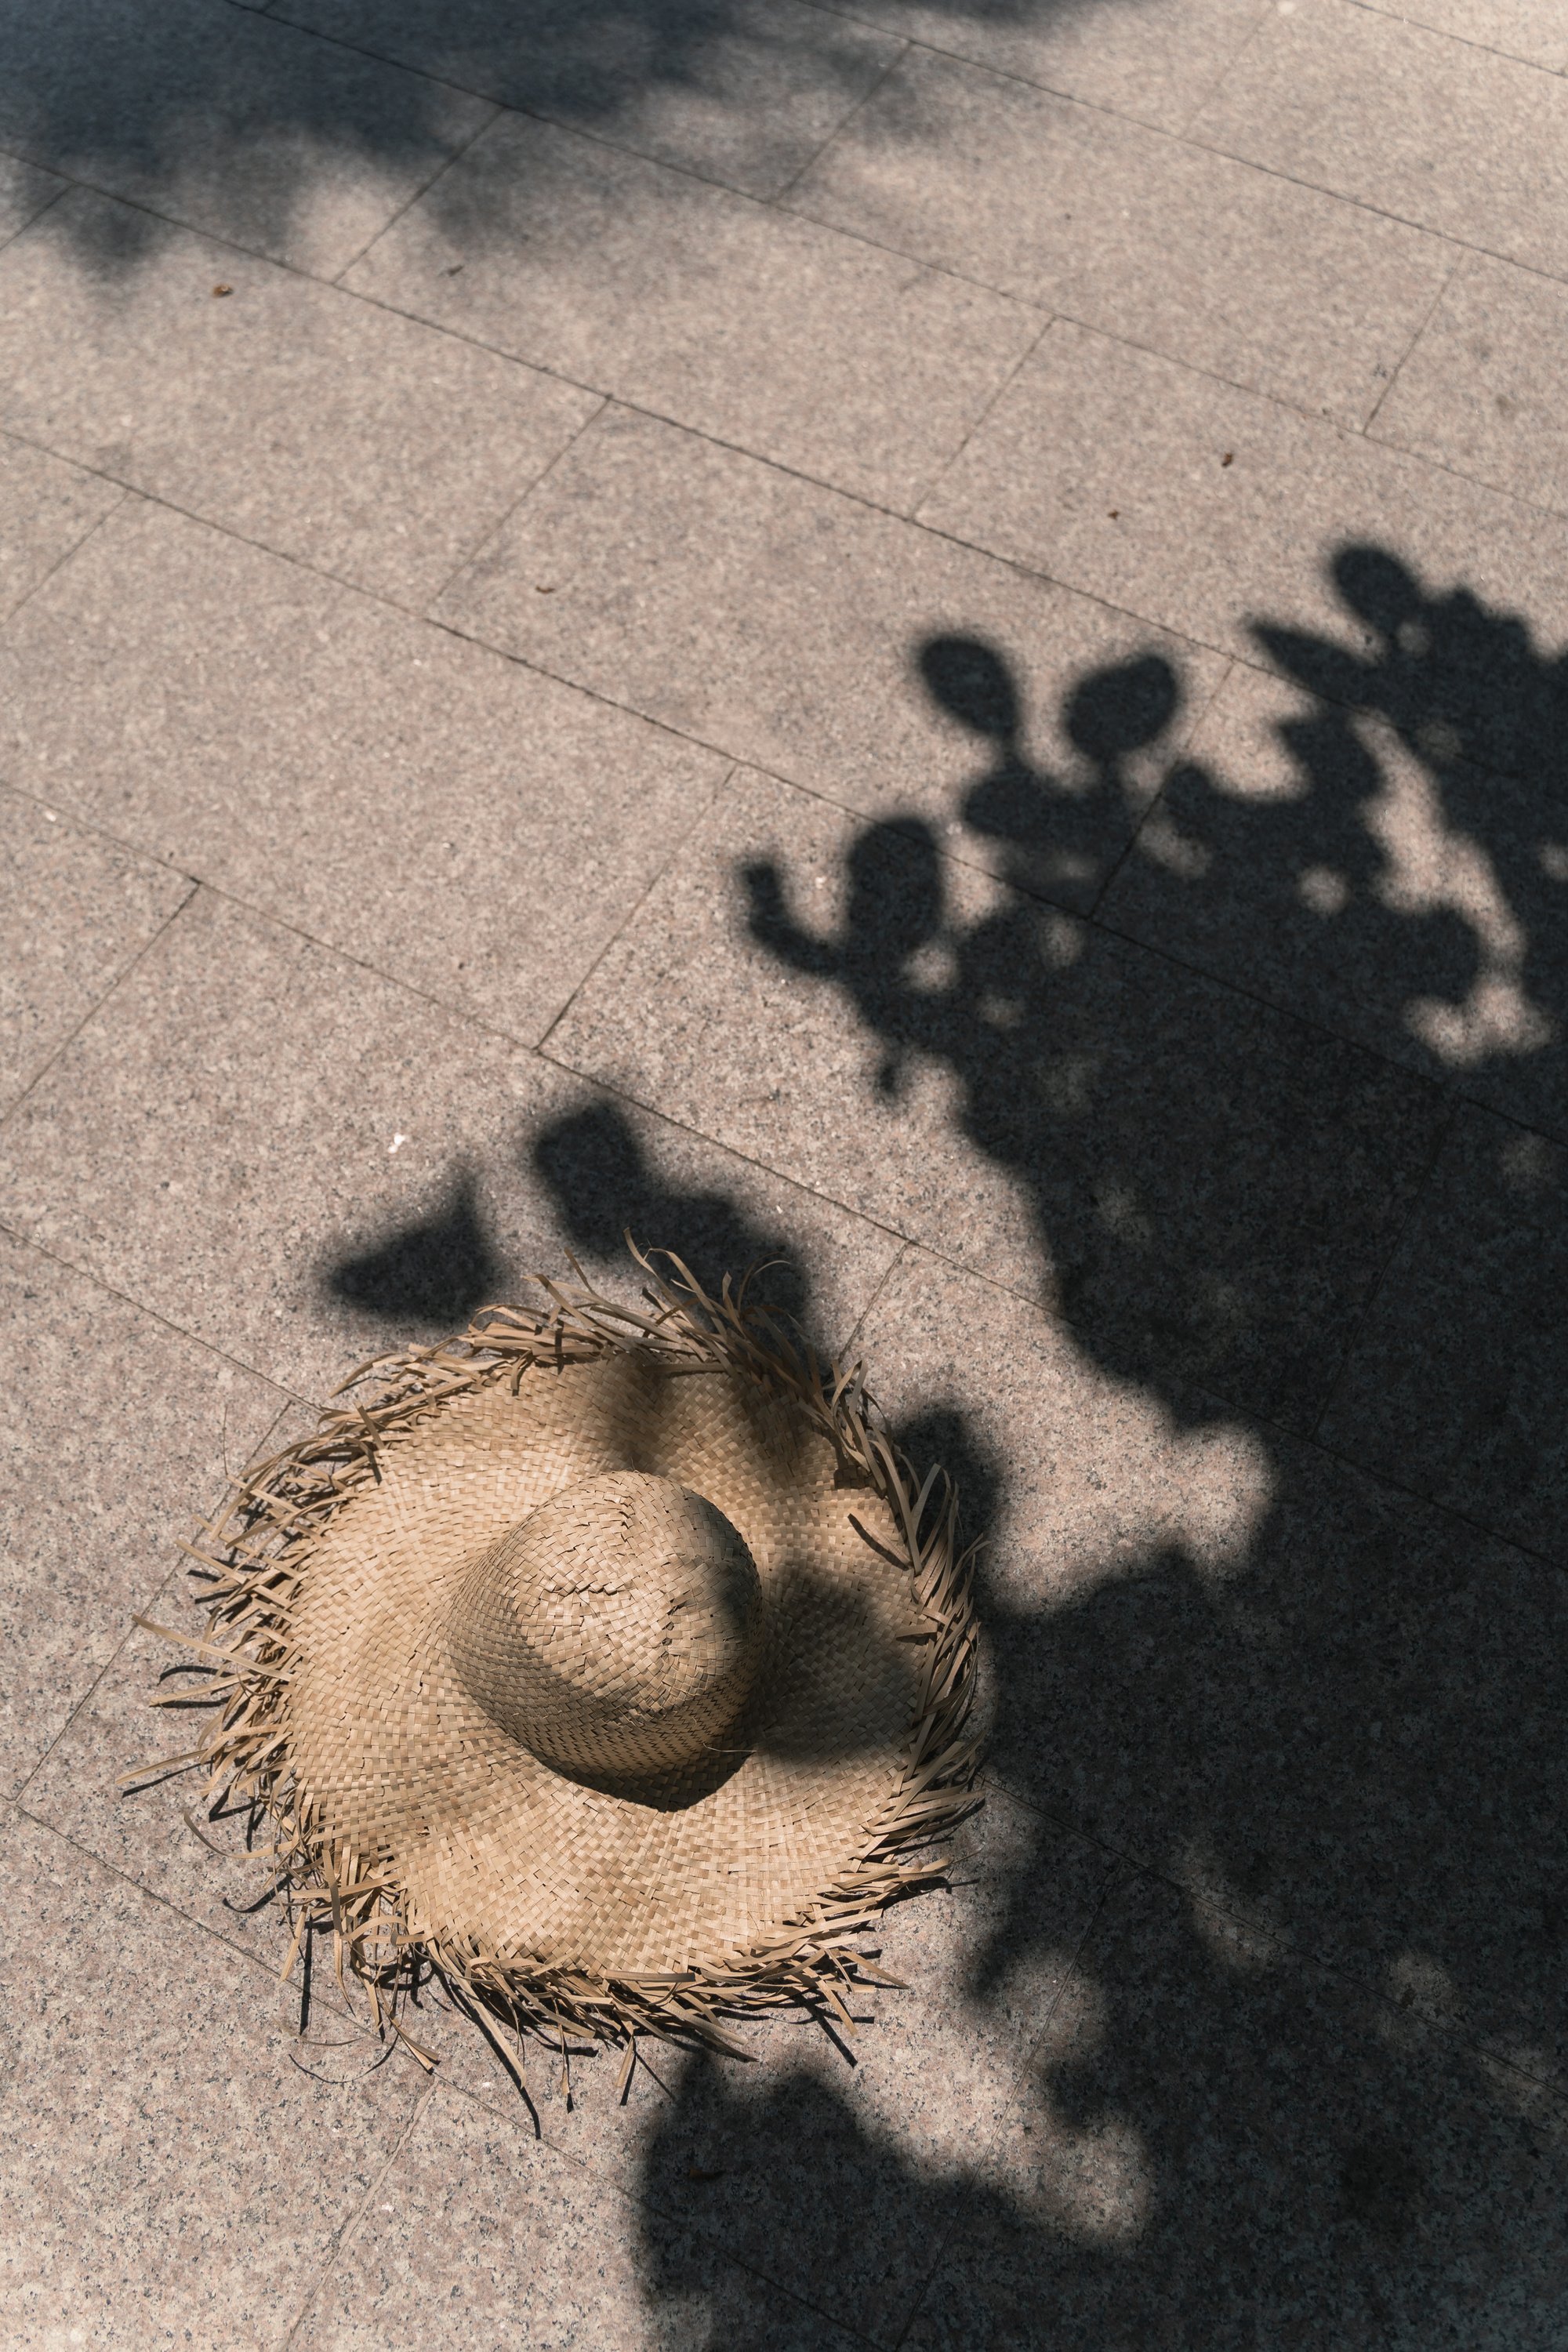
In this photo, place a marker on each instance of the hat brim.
(421, 1828)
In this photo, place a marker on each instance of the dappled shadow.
(1052, 836)
(299, 130)
(1404, 877)
(1255, 2021)
(1210, 1184)
(603, 1186)
(430, 1275)
(1288, 2079)
(1230, 2154)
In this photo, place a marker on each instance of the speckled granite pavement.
(923, 637)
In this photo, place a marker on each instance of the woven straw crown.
(609, 1662)
(616, 1631)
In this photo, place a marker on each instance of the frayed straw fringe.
(257, 1554)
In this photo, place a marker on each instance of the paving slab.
(478, 2233)
(118, 1433)
(277, 1149)
(146, 2057)
(75, 910)
(847, 650)
(1189, 1174)
(1453, 1383)
(1403, 119)
(1155, 64)
(1252, 277)
(1247, 2150)
(740, 93)
(1531, 29)
(784, 338)
(219, 118)
(478, 829)
(1209, 510)
(1350, 864)
(290, 412)
(202, 1858)
(1479, 389)
(47, 509)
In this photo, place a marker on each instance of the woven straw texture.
(608, 1663)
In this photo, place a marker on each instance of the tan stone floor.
(923, 636)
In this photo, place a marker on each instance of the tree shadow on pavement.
(603, 1186)
(241, 119)
(1289, 2074)
(431, 1275)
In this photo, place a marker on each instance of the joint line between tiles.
(47, 206)
(81, 1703)
(878, 1287)
(253, 1961)
(1461, 40)
(100, 1004)
(1264, 12)
(350, 2228)
(1396, 371)
(419, 193)
(155, 1313)
(904, 44)
(96, 525)
(494, 530)
(698, 816)
(1157, 800)
(946, 465)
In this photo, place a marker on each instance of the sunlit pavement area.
(921, 639)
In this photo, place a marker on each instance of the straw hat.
(609, 1662)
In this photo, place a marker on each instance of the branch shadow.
(427, 1276)
(431, 1275)
(1293, 2076)
(1255, 2019)
(602, 1186)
